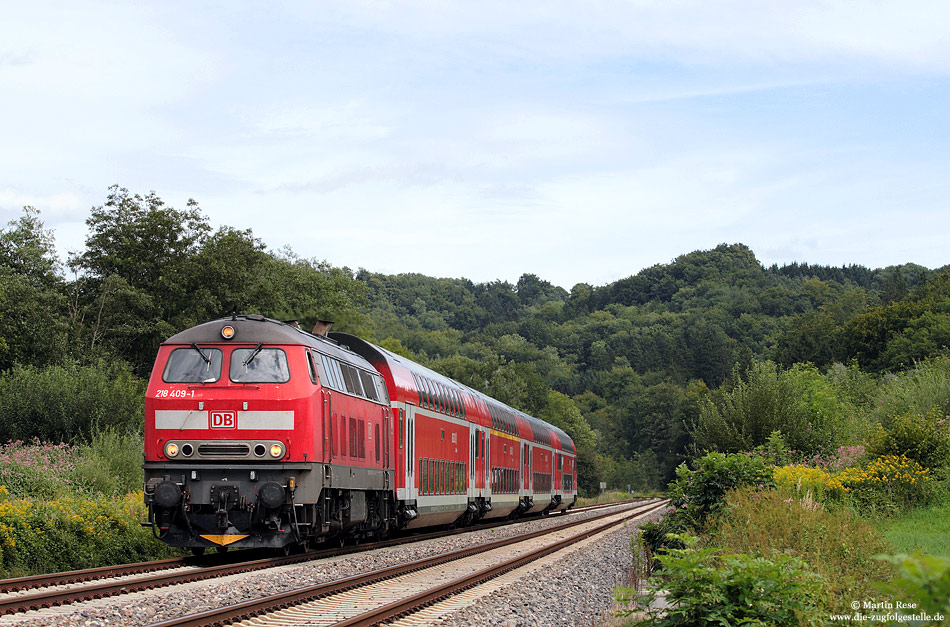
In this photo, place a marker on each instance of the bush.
(887, 485)
(706, 587)
(697, 494)
(69, 403)
(802, 480)
(71, 533)
(924, 388)
(702, 492)
(800, 402)
(923, 437)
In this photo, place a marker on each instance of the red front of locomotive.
(232, 435)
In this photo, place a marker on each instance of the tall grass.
(838, 545)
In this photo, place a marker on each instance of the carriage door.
(486, 453)
(411, 492)
(471, 459)
(530, 468)
(525, 481)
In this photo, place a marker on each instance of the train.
(260, 434)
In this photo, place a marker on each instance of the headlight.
(171, 449)
(276, 451)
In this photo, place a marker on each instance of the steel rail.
(249, 609)
(423, 599)
(33, 582)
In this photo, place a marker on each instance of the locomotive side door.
(327, 425)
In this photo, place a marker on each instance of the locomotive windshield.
(259, 365)
(193, 365)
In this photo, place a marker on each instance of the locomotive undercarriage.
(266, 506)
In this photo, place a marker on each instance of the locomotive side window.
(337, 374)
(351, 377)
(311, 368)
(193, 365)
(369, 386)
(381, 389)
(331, 379)
(259, 365)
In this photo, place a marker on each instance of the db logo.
(223, 420)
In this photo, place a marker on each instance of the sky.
(578, 141)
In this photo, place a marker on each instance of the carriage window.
(188, 365)
(259, 365)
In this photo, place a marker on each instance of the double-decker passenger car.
(259, 434)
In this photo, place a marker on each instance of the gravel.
(576, 591)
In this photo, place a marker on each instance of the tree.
(33, 323)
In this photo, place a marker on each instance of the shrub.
(69, 403)
(697, 494)
(923, 437)
(802, 480)
(70, 533)
(705, 587)
(800, 402)
(924, 388)
(888, 484)
(111, 464)
(701, 492)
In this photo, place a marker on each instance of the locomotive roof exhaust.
(322, 327)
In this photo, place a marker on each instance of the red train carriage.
(258, 434)
(429, 407)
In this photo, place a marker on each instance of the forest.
(644, 373)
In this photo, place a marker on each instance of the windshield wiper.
(253, 354)
(203, 356)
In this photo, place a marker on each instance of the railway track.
(398, 591)
(45, 591)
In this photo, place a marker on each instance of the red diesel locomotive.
(259, 434)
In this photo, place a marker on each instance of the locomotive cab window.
(259, 365)
(193, 365)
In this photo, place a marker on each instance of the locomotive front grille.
(224, 450)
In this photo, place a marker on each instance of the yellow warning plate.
(225, 539)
